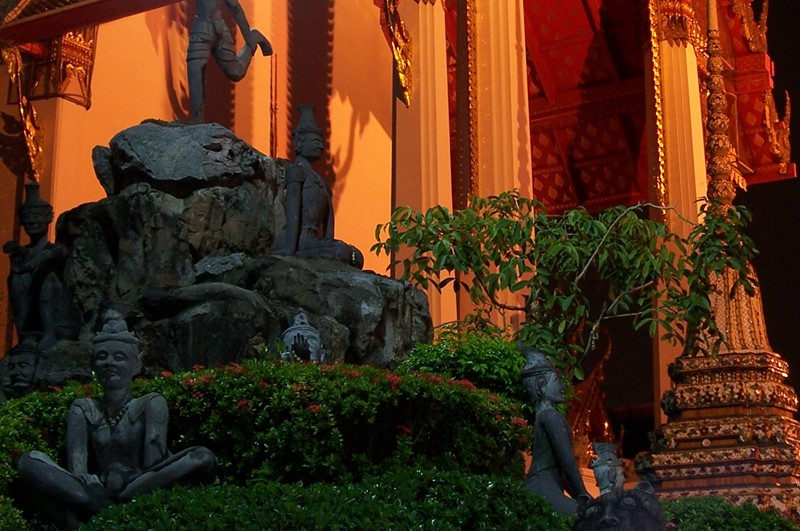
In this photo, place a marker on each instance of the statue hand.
(300, 348)
(89, 479)
(11, 247)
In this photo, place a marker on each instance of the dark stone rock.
(177, 159)
(182, 248)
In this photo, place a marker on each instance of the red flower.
(394, 380)
(198, 367)
(466, 384)
(234, 368)
(348, 372)
(198, 394)
(262, 384)
(493, 398)
(314, 408)
(499, 417)
(165, 374)
(243, 404)
(188, 380)
(206, 379)
(403, 429)
(301, 388)
(519, 421)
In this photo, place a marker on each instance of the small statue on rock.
(302, 341)
(637, 509)
(308, 231)
(116, 445)
(40, 303)
(23, 361)
(210, 36)
(553, 468)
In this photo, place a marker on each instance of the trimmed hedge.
(400, 499)
(303, 423)
(718, 514)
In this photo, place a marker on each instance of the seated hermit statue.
(39, 302)
(116, 445)
(308, 231)
(553, 468)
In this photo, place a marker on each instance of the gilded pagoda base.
(731, 432)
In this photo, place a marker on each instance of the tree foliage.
(510, 256)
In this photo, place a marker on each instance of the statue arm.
(77, 441)
(156, 422)
(329, 222)
(293, 207)
(558, 432)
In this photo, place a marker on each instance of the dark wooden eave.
(58, 21)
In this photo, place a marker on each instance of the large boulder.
(182, 246)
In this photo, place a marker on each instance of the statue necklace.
(115, 419)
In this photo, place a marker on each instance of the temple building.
(589, 103)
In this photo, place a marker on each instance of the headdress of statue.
(306, 124)
(536, 364)
(115, 329)
(34, 202)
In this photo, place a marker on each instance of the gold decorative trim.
(466, 104)
(755, 32)
(660, 177)
(678, 24)
(402, 51)
(34, 135)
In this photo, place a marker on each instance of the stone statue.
(39, 302)
(308, 231)
(210, 36)
(116, 446)
(637, 509)
(302, 341)
(553, 468)
(23, 362)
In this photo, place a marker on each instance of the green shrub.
(718, 514)
(407, 498)
(303, 423)
(489, 362)
(11, 517)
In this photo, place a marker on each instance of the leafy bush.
(489, 250)
(400, 499)
(489, 362)
(10, 516)
(305, 423)
(718, 514)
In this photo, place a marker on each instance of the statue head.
(22, 362)
(116, 358)
(35, 213)
(608, 470)
(540, 377)
(306, 136)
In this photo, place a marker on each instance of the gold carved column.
(677, 157)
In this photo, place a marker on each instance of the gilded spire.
(721, 184)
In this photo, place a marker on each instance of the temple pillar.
(677, 156)
(504, 138)
(422, 131)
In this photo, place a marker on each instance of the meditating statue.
(210, 36)
(637, 509)
(308, 231)
(302, 341)
(553, 468)
(40, 305)
(116, 445)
